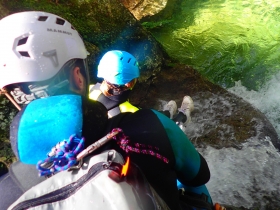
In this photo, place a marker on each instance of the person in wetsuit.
(120, 71)
(41, 57)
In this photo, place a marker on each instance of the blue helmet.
(118, 67)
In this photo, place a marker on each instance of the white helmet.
(35, 45)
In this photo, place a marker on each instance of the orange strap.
(3, 91)
(218, 207)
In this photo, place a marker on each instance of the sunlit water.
(227, 41)
(236, 44)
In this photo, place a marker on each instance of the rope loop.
(61, 157)
(125, 144)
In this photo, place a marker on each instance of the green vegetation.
(158, 24)
(7, 112)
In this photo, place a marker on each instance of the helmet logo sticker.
(53, 56)
(59, 31)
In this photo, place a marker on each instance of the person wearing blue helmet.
(120, 71)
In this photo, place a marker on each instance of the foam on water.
(244, 177)
(267, 99)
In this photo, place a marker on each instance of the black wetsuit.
(149, 127)
(146, 127)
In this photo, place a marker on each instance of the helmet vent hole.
(24, 54)
(134, 63)
(60, 21)
(129, 60)
(73, 27)
(22, 41)
(43, 18)
(121, 58)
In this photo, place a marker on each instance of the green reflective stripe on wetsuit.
(185, 153)
(114, 104)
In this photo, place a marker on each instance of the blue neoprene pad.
(45, 122)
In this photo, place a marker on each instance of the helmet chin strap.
(47, 90)
(19, 97)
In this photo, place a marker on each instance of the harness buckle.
(110, 157)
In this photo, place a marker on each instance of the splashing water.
(250, 175)
(267, 99)
(245, 177)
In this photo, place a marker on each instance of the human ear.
(78, 79)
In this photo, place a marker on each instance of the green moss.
(7, 112)
(154, 25)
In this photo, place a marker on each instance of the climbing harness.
(69, 154)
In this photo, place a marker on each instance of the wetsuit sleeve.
(94, 91)
(191, 167)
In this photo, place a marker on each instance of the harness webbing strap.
(125, 144)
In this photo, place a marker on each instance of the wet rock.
(220, 118)
(151, 9)
(234, 137)
(143, 8)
